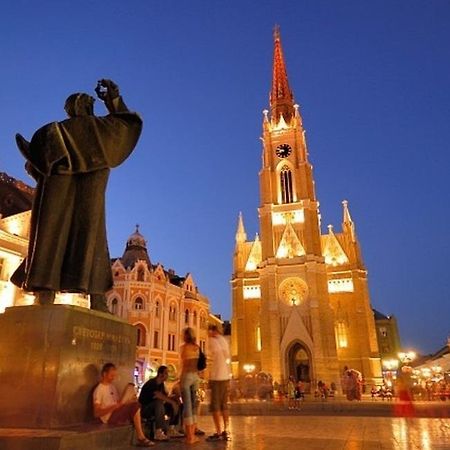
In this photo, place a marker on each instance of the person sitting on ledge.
(156, 403)
(112, 410)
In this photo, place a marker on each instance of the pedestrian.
(189, 381)
(291, 392)
(219, 382)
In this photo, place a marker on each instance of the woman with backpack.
(192, 358)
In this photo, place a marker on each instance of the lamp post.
(390, 367)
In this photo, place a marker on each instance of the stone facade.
(387, 335)
(301, 303)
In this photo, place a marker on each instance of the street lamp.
(407, 357)
(249, 368)
(390, 364)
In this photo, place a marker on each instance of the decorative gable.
(290, 245)
(332, 251)
(255, 256)
(159, 273)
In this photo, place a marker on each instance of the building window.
(383, 331)
(341, 335)
(202, 321)
(139, 303)
(141, 335)
(156, 339)
(171, 343)
(194, 315)
(186, 317)
(172, 313)
(286, 190)
(2, 263)
(157, 309)
(114, 306)
(141, 274)
(258, 339)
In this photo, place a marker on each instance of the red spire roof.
(281, 97)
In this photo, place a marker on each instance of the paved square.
(327, 433)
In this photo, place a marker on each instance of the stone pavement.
(325, 432)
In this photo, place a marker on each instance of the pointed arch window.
(286, 185)
(114, 306)
(186, 317)
(141, 274)
(341, 335)
(139, 303)
(141, 335)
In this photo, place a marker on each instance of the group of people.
(295, 393)
(181, 405)
(352, 384)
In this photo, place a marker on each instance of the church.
(301, 303)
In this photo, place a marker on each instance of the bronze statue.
(71, 161)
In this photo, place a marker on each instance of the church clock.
(283, 150)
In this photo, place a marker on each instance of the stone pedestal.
(50, 361)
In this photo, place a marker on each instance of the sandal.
(144, 443)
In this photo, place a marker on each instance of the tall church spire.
(241, 235)
(281, 97)
(347, 223)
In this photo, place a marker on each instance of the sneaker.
(173, 433)
(226, 436)
(199, 432)
(214, 437)
(161, 436)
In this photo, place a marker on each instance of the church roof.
(379, 315)
(135, 250)
(281, 97)
(15, 196)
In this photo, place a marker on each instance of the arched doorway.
(299, 363)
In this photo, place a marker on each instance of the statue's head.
(79, 104)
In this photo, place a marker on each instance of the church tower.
(284, 319)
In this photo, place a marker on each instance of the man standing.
(112, 410)
(156, 403)
(219, 382)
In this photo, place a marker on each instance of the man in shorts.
(110, 409)
(219, 382)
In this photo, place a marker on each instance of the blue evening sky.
(373, 82)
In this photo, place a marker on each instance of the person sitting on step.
(156, 404)
(110, 409)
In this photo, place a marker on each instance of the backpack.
(201, 363)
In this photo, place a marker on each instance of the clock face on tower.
(283, 150)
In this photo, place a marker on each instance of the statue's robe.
(71, 161)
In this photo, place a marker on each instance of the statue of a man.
(71, 161)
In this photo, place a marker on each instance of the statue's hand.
(107, 90)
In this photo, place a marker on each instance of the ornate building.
(160, 304)
(301, 302)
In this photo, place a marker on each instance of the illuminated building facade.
(301, 302)
(160, 304)
(387, 335)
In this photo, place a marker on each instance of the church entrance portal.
(299, 363)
